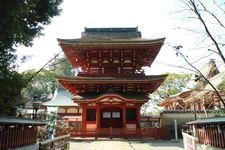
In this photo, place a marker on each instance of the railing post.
(110, 132)
(96, 133)
(125, 133)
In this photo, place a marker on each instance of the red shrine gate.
(111, 85)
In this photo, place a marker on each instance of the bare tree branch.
(37, 72)
(219, 6)
(213, 15)
(200, 73)
(195, 9)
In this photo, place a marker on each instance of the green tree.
(20, 22)
(10, 92)
(42, 86)
(61, 67)
(173, 84)
(44, 83)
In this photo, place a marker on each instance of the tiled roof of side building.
(61, 98)
(217, 81)
(209, 120)
(22, 121)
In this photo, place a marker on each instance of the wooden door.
(111, 117)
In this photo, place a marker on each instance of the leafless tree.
(211, 14)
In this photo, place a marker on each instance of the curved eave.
(168, 101)
(111, 79)
(75, 51)
(110, 96)
(151, 83)
(59, 105)
(113, 44)
(110, 41)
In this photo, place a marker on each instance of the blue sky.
(154, 18)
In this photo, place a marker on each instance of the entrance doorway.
(111, 117)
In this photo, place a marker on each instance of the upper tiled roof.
(111, 35)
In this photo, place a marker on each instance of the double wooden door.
(111, 117)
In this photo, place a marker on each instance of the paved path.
(123, 144)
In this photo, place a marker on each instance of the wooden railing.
(211, 135)
(12, 136)
(189, 141)
(159, 133)
(59, 143)
(110, 75)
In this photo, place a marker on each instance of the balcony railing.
(110, 75)
(157, 133)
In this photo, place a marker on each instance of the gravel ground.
(123, 144)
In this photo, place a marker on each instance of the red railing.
(211, 135)
(159, 133)
(15, 136)
(110, 75)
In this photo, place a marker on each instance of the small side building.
(205, 133)
(67, 109)
(199, 101)
(19, 133)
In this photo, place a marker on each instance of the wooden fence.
(58, 143)
(158, 133)
(12, 136)
(211, 135)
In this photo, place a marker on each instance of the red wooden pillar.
(138, 115)
(84, 112)
(97, 120)
(124, 115)
(97, 116)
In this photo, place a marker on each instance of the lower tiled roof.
(127, 95)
